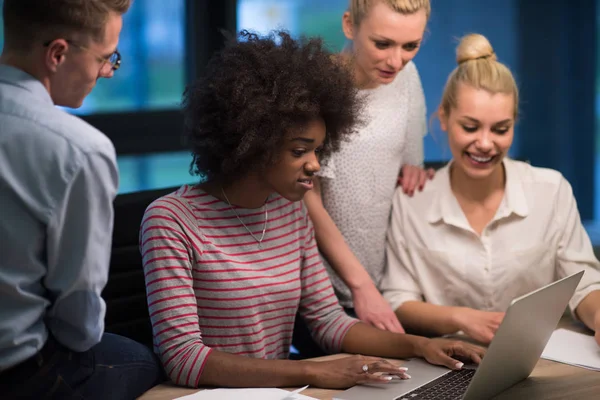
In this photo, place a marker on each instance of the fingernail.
(459, 365)
(407, 376)
(403, 368)
(387, 378)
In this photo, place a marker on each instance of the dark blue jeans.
(116, 368)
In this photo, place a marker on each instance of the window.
(299, 17)
(154, 171)
(152, 74)
(152, 77)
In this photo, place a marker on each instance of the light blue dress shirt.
(58, 179)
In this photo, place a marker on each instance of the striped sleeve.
(326, 319)
(165, 238)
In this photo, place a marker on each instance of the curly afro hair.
(258, 90)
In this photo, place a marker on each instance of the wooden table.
(548, 381)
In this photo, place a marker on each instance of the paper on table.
(573, 348)
(246, 394)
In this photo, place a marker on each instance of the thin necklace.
(239, 219)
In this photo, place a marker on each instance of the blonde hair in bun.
(474, 47)
(479, 68)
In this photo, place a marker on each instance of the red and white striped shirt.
(210, 286)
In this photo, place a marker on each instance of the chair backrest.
(125, 293)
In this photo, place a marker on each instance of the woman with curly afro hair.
(229, 262)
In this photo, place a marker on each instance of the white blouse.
(536, 237)
(359, 181)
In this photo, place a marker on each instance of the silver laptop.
(510, 358)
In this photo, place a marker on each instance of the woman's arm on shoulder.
(319, 307)
(332, 243)
(368, 302)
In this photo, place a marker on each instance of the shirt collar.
(515, 200)
(20, 78)
(445, 206)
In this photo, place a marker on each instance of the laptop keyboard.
(451, 386)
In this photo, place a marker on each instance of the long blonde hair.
(359, 9)
(479, 68)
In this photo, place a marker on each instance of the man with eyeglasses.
(58, 179)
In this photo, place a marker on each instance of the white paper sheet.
(573, 348)
(245, 394)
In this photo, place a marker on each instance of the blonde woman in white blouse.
(486, 229)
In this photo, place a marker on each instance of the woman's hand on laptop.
(479, 325)
(442, 351)
(354, 370)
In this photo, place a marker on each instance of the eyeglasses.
(114, 60)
